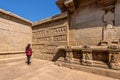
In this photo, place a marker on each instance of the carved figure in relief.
(86, 59)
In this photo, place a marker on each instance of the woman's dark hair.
(27, 47)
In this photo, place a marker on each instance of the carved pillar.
(113, 61)
(69, 55)
(87, 57)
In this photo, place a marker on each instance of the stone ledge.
(8, 60)
(53, 18)
(95, 70)
(12, 52)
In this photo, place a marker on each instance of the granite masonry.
(84, 36)
(87, 38)
(15, 32)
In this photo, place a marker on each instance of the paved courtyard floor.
(43, 70)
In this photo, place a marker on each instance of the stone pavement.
(43, 70)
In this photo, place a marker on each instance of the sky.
(32, 10)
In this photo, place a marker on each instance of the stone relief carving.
(86, 56)
(39, 40)
(69, 54)
(50, 32)
(113, 64)
(60, 38)
(60, 30)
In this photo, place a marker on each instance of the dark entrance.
(100, 56)
(77, 55)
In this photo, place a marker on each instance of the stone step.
(100, 66)
(99, 62)
(95, 70)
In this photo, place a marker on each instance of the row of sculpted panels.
(47, 37)
(50, 32)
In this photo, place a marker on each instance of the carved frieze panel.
(44, 39)
(58, 30)
(50, 32)
(60, 38)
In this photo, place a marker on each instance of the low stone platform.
(91, 69)
(43, 70)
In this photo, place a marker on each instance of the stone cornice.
(60, 4)
(53, 18)
(70, 5)
(106, 4)
(9, 15)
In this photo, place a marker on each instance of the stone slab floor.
(43, 70)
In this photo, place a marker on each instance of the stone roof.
(53, 18)
(15, 16)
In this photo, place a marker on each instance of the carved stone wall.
(48, 36)
(86, 25)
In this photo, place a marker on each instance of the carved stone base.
(69, 60)
(115, 66)
(86, 62)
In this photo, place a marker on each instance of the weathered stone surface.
(47, 35)
(86, 25)
(117, 13)
(89, 23)
(14, 35)
(43, 70)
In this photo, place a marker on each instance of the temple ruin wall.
(15, 35)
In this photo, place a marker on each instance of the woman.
(28, 53)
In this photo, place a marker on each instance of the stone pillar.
(69, 55)
(113, 61)
(87, 57)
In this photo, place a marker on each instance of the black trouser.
(28, 59)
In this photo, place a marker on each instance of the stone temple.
(85, 36)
